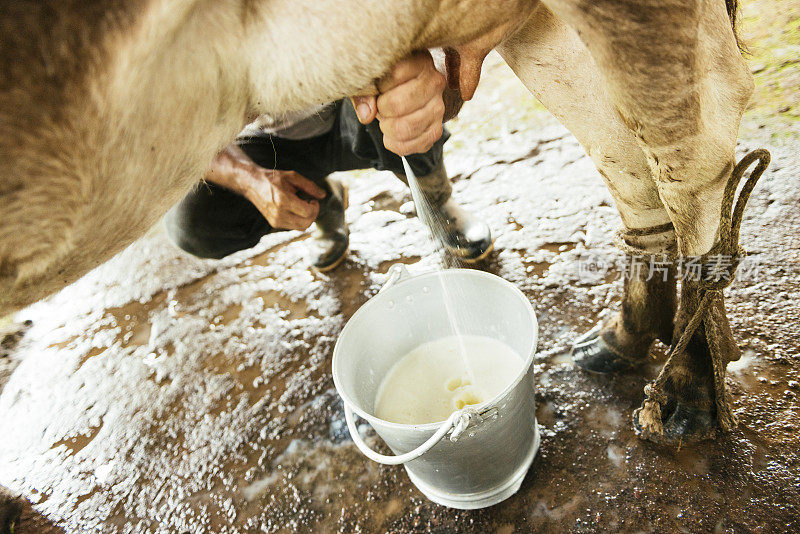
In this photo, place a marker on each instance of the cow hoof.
(684, 424)
(10, 511)
(688, 424)
(592, 353)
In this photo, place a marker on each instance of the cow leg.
(646, 314)
(675, 76)
(554, 64)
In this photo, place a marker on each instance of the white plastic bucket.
(480, 454)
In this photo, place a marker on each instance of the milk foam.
(430, 382)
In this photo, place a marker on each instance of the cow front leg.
(554, 64)
(675, 76)
(689, 399)
(681, 405)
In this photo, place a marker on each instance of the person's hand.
(410, 107)
(275, 193)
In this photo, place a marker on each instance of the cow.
(112, 110)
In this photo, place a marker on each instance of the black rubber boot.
(465, 237)
(332, 237)
(647, 314)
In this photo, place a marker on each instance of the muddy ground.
(162, 393)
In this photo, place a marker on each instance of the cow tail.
(733, 13)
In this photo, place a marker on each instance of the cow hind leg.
(554, 64)
(675, 76)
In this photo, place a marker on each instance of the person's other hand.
(275, 193)
(410, 107)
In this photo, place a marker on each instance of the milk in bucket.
(476, 455)
(433, 380)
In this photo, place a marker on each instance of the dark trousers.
(213, 222)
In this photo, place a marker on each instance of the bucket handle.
(458, 421)
(396, 273)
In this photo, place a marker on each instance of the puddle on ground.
(616, 454)
(290, 309)
(514, 222)
(546, 413)
(564, 357)
(384, 266)
(385, 201)
(350, 284)
(269, 256)
(536, 268)
(606, 420)
(559, 247)
(75, 444)
(693, 462)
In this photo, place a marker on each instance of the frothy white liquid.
(430, 382)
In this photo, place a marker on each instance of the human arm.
(275, 193)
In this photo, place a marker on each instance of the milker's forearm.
(232, 169)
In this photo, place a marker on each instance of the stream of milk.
(438, 227)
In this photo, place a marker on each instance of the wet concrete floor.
(162, 393)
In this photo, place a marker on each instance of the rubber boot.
(332, 236)
(647, 313)
(463, 235)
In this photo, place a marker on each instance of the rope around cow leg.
(649, 415)
(624, 235)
